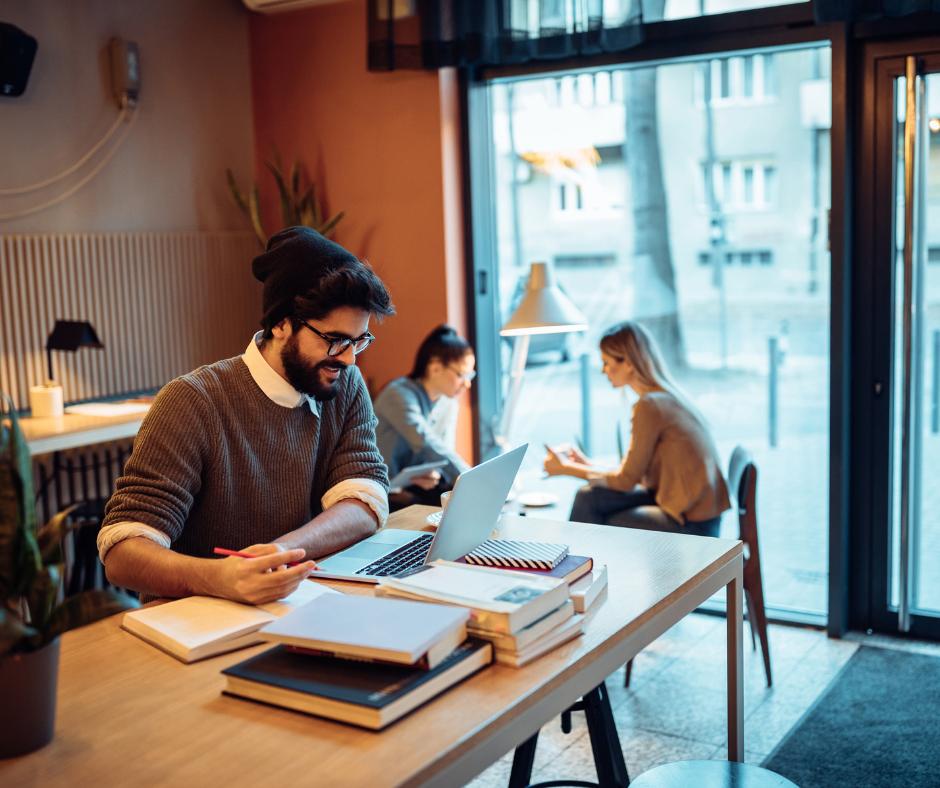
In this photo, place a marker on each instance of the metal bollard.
(585, 404)
(774, 358)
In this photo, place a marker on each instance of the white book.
(527, 635)
(499, 601)
(588, 588)
(365, 627)
(197, 627)
(571, 629)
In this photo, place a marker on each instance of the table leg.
(735, 607)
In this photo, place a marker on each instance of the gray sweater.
(404, 433)
(217, 463)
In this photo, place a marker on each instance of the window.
(740, 257)
(570, 197)
(746, 79)
(621, 214)
(741, 185)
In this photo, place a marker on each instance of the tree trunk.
(656, 304)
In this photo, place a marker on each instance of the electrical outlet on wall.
(125, 72)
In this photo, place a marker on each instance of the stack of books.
(360, 659)
(523, 615)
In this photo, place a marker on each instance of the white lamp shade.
(544, 309)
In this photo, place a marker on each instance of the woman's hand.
(576, 455)
(427, 481)
(554, 464)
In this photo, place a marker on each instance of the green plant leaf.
(287, 208)
(19, 552)
(42, 595)
(315, 205)
(85, 608)
(328, 228)
(236, 192)
(295, 183)
(255, 213)
(13, 631)
(50, 535)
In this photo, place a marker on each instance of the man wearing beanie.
(270, 453)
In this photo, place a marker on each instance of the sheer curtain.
(431, 34)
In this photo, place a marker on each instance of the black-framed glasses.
(338, 345)
(467, 376)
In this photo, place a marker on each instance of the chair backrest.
(742, 485)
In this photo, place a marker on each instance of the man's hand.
(427, 481)
(264, 578)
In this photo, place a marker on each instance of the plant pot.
(28, 688)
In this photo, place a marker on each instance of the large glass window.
(693, 196)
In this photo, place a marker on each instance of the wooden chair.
(742, 484)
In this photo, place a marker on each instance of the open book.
(197, 627)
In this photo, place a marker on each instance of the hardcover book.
(360, 693)
(499, 601)
(365, 627)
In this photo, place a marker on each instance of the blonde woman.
(671, 469)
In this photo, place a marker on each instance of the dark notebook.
(368, 694)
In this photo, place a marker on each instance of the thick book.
(569, 569)
(197, 627)
(571, 629)
(586, 590)
(527, 635)
(499, 601)
(515, 554)
(366, 627)
(365, 694)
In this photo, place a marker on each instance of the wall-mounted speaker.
(17, 50)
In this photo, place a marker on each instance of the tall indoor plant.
(33, 612)
(300, 204)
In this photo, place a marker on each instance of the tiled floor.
(675, 707)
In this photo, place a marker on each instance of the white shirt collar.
(275, 388)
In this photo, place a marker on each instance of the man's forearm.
(142, 565)
(339, 526)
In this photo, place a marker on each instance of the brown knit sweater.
(672, 454)
(217, 463)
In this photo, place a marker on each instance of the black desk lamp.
(70, 335)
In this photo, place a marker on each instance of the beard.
(306, 377)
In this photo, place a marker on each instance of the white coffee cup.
(445, 499)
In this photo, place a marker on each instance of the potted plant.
(300, 205)
(33, 612)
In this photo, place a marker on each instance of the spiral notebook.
(517, 555)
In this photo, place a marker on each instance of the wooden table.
(131, 715)
(72, 431)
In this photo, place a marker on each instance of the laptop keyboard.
(408, 556)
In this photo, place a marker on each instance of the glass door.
(905, 563)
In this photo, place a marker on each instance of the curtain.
(432, 34)
(864, 10)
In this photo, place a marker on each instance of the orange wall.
(384, 147)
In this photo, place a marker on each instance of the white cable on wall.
(65, 195)
(95, 148)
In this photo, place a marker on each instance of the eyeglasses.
(338, 345)
(466, 376)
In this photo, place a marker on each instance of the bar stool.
(710, 774)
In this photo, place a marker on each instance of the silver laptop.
(468, 520)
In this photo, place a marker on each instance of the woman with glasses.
(670, 479)
(417, 416)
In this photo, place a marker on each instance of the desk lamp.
(47, 400)
(544, 309)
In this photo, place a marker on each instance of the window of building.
(743, 79)
(741, 185)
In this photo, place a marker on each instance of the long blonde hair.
(632, 342)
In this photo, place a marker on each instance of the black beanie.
(294, 262)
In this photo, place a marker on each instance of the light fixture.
(47, 400)
(544, 309)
